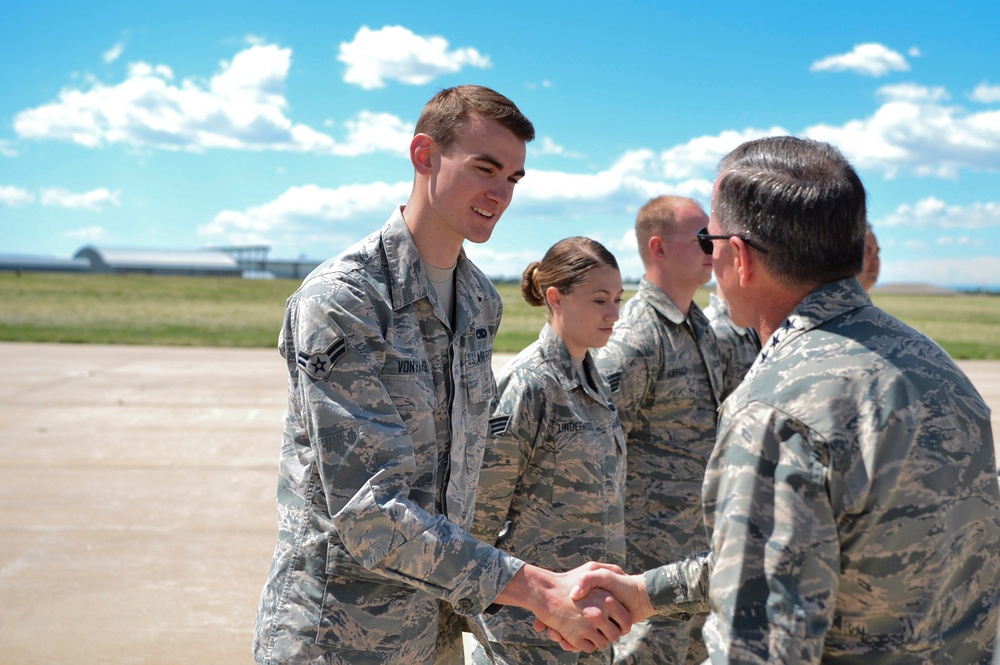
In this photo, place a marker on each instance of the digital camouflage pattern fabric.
(738, 346)
(853, 498)
(667, 382)
(552, 485)
(380, 458)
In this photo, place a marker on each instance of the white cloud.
(324, 219)
(700, 156)
(546, 146)
(113, 53)
(932, 212)
(544, 83)
(95, 200)
(394, 53)
(88, 234)
(317, 218)
(255, 78)
(617, 192)
(7, 149)
(972, 271)
(375, 132)
(959, 241)
(15, 197)
(548, 202)
(243, 107)
(985, 93)
(914, 132)
(869, 59)
(912, 92)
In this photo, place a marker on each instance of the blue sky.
(183, 125)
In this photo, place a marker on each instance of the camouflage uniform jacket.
(666, 381)
(552, 485)
(380, 459)
(738, 346)
(853, 498)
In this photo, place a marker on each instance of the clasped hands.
(589, 607)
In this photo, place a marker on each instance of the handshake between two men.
(593, 605)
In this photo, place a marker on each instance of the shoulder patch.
(499, 425)
(319, 365)
(614, 381)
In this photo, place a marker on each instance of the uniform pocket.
(578, 484)
(479, 383)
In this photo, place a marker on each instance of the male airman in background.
(667, 382)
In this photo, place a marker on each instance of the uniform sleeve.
(681, 587)
(364, 455)
(514, 429)
(773, 587)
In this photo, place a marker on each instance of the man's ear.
(655, 245)
(421, 147)
(744, 262)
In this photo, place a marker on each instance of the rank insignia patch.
(319, 365)
(499, 425)
(614, 381)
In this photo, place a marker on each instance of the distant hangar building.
(160, 262)
(247, 261)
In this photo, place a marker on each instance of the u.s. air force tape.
(319, 365)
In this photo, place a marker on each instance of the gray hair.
(801, 201)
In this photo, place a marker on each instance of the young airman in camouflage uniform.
(667, 382)
(390, 384)
(553, 477)
(852, 497)
(738, 346)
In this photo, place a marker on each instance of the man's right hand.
(591, 620)
(591, 578)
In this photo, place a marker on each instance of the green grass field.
(192, 311)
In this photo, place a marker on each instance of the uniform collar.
(555, 353)
(719, 305)
(827, 302)
(660, 301)
(409, 282)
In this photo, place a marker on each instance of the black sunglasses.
(705, 240)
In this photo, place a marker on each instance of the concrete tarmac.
(137, 486)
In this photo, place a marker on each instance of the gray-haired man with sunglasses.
(852, 495)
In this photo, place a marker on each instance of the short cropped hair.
(657, 218)
(801, 201)
(565, 266)
(444, 115)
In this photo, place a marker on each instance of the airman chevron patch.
(499, 425)
(614, 381)
(319, 365)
